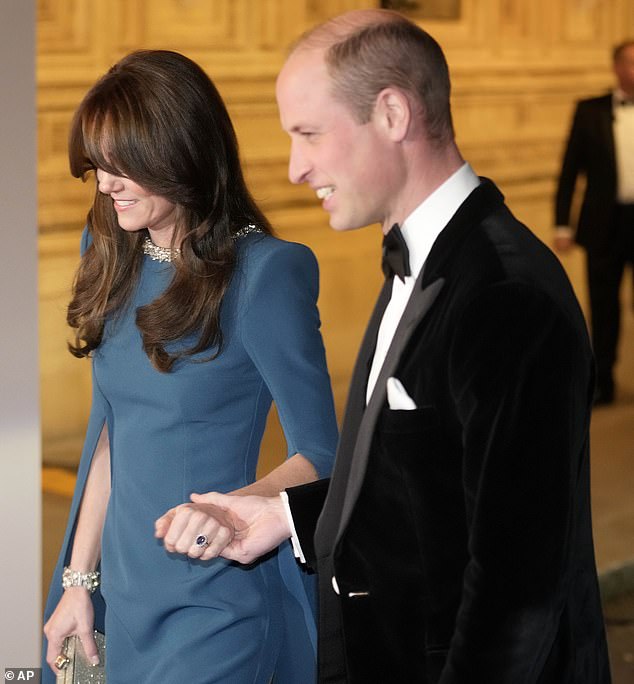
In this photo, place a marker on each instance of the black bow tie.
(395, 254)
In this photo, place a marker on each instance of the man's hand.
(563, 242)
(238, 528)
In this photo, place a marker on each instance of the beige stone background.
(517, 68)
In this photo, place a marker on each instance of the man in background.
(601, 148)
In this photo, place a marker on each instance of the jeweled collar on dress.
(167, 254)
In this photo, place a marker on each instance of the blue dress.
(168, 618)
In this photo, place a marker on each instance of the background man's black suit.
(604, 229)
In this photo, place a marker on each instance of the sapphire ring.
(202, 541)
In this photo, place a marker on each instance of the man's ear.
(393, 113)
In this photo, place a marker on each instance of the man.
(453, 543)
(601, 148)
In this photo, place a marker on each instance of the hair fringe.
(157, 118)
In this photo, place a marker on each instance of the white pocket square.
(397, 397)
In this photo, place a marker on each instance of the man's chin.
(341, 225)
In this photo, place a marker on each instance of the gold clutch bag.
(79, 670)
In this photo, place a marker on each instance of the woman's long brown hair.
(157, 119)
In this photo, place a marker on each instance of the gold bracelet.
(74, 578)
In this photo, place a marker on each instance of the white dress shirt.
(623, 127)
(420, 230)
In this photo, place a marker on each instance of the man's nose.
(298, 165)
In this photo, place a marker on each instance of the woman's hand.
(238, 528)
(183, 525)
(74, 614)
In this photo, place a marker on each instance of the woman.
(195, 318)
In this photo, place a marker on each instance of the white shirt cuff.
(297, 547)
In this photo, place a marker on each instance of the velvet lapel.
(355, 406)
(418, 305)
(357, 433)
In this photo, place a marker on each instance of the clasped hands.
(240, 528)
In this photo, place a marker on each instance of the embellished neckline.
(249, 228)
(167, 254)
(156, 253)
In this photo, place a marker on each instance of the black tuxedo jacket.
(454, 544)
(590, 152)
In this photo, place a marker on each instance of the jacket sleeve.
(521, 374)
(306, 502)
(573, 164)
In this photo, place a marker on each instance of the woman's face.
(137, 209)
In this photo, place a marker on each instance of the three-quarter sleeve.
(280, 330)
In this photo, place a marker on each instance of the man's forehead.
(627, 54)
(305, 74)
(302, 61)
